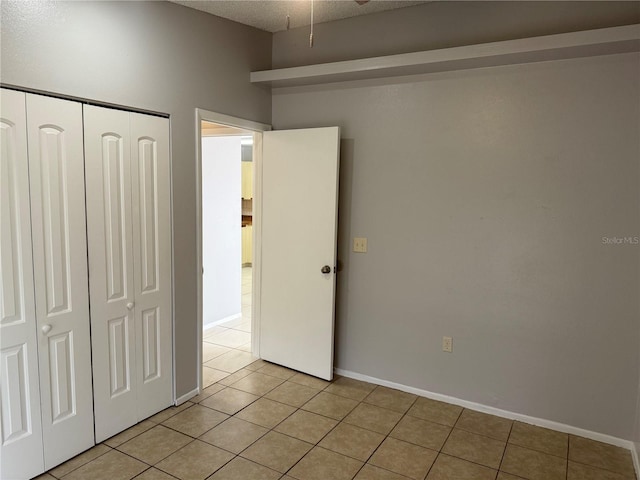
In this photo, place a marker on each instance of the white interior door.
(151, 214)
(110, 234)
(56, 175)
(299, 228)
(21, 450)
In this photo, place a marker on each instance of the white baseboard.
(187, 396)
(540, 422)
(209, 326)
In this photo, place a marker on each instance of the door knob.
(326, 269)
(130, 306)
(46, 329)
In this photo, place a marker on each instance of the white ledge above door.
(587, 43)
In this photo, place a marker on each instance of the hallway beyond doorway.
(227, 347)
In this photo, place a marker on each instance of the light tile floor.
(263, 422)
(227, 347)
(259, 421)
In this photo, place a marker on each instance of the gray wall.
(443, 24)
(155, 56)
(485, 195)
(637, 436)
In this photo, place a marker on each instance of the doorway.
(228, 250)
(292, 281)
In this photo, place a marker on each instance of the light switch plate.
(360, 245)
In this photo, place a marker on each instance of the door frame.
(257, 128)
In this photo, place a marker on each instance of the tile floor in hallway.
(258, 421)
(227, 347)
(261, 421)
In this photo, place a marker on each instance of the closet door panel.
(56, 175)
(151, 194)
(20, 423)
(108, 178)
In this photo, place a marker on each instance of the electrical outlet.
(447, 344)
(360, 245)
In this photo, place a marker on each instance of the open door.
(299, 233)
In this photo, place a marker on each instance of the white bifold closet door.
(21, 425)
(47, 409)
(56, 175)
(129, 234)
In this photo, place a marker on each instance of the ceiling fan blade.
(361, 2)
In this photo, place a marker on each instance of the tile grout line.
(135, 436)
(147, 469)
(163, 458)
(568, 452)
(566, 471)
(504, 452)
(529, 448)
(445, 442)
(193, 439)
(79, 466)
(595, 467)
(366, 462)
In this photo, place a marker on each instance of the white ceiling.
(271, 15)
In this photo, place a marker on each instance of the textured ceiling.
(271, 15)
